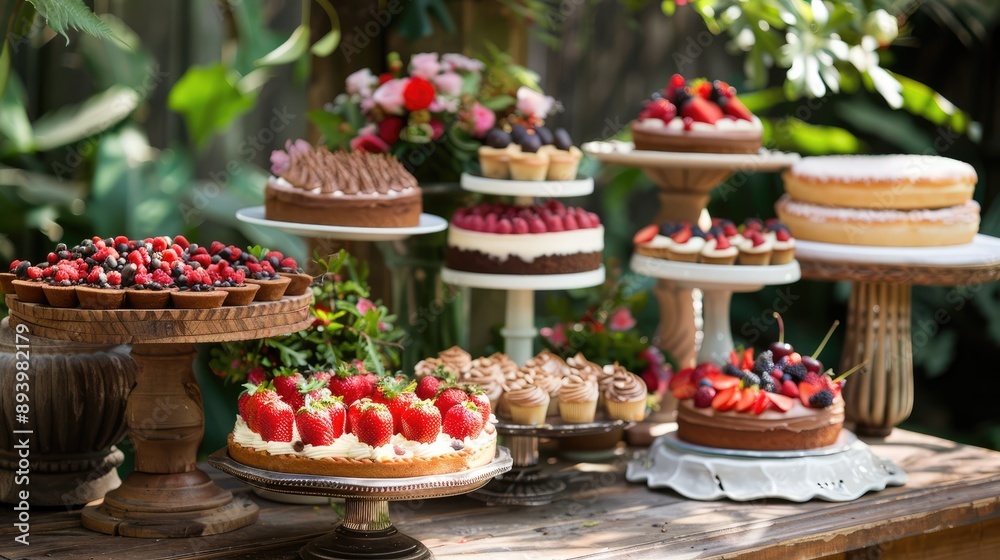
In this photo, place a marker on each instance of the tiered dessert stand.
(686, 181)
(166, 495)
(366, 532)
(519, 330)
(525, 484)
(878, 318)
(838, 473)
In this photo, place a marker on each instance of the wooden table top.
(952, 499)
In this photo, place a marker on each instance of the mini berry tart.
(494, 154)
(196, 290)
(7, 278)
(530, 163)
(288, 268)
(755, 249)
(697, 117)
(100, 297)
(688, 241)
(784, 243)
(271, 289)
(654, 241)
(61, 294)
(718, 250)
(564, 157)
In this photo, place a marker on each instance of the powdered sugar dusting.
(883, 169)
(966, 213)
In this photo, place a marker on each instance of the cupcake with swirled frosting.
(578, 399)
(548, 370)
(583, 367)
(487, 373)
(528, 405)
(625, 396)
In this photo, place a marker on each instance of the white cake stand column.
(519, 332)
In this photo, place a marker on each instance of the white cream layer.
(528, 246)
(725, 123)
(347, 446)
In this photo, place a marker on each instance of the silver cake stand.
(525, 484)
(365, 532)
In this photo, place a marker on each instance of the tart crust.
(700, 141)
(364, 468)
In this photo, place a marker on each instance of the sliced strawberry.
(807, 390)
(747, 359)
(701, 110)
(726, 399)
(682, 235)
(646, 234)
(682, 377)
(722, 381)
(747, 399)
(736, 108)
(781, 402)
(762, 403)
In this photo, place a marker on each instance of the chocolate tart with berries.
(286, 267)
(61, 295)
(151, 291)
(703, 116)
(7, 278)
(356, 189)
(507, 239)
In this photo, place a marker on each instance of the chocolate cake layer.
(401, 209)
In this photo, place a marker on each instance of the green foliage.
(416, 21)
(75, 122)
(63, 15)
(208, 99)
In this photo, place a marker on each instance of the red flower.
(389, 129)
(369, 143)
(419, 94)
(384, 77)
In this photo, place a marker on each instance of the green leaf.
(797, 135)
(75, 122)
(332, 127)
(124, 62)
(330, 41)
(415, 20)
(15, 129)
(292, 49)
(63, 15)
(921, 100)
(4, 66)
(499, 102)
(208, 100)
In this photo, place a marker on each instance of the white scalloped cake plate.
(524, 281)
(983, 250)
(429, 223)
(581, 186)
(843, 443)
(624, 153)
(735, 277)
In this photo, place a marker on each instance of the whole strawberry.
(351, 384)
(463, 421)
(338, 415)
(260, 397)
(396, 394)
(243, 403)
(314, 424)
(478, 397)
(276, 420)
(354, 414)
(286, 383)
(374, 424)
(449, 398)
(421, 421)
(429, 385)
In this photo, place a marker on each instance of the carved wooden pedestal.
(77, 407)
(166, 495)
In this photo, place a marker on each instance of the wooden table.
(949, 509)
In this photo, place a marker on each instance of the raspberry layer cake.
(348, 424)
(701, 116)
(895, 201)
(759, 404)
(506, 239)
(357, 189)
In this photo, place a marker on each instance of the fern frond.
(63, 15)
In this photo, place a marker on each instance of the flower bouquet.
(347, 327)
(432, 117)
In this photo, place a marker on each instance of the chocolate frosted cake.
(358, 189)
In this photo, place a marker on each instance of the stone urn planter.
(77, 394)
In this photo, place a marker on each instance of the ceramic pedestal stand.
(880, 396)
(365, 532)
(686, 181)
(525, 485)
(519, 327)
(166, 495)
(717, 283)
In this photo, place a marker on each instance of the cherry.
(812, 364)
(780, 349)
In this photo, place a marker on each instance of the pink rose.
(556, 335)
(483, 120)
(280, 162)
(299, 146)
(361, 82)
(456, 62)
(443, 105)
(389, 96)
(257, 375)
(382, 326)
(437, 129)
(425, 65)
(369, 143)
(621, 320)
(365, 305)
(534, 104)
(448, 83)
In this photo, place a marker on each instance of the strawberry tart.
(316, 186)
(754, 243)
(894, 200)
(352, 424)
(701, 116)
(498, 238)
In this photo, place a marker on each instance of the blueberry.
(128, 273)
(110, 263)
(497, 138)
(102, 278)
(60, 247)
(192, 248)
(121, 248)
(66, 283)
(562, 140)
(182, 280)
(216, 258)
(109, 242)
(225, 253)
(696, 231)
(518, 133)
(154, 264)
(669, 228)
(545, 135)
(786, 377)
(531, 143)
(705, 381)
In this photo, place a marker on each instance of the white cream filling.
(693, 245)
(528, 246)
(347, 446)
(661, 242)
(725, 123)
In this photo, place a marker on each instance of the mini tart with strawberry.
(150, 290)
(688, 242)
(272, 286)
(701, 116)
(755, 249)
(195, 289)
(719, 250)
(103, 290)
(499, 238)
(784, 244)
(654, 240)
(758, 403)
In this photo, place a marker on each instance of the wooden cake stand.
(880, 396)
(166, 495)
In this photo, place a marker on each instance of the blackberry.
(750, 379)
(767, 384)
(764, 363)
(821, 399)
(730, 369)
(797, 371)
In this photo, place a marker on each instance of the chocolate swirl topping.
(625, 386)
(320, 170)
